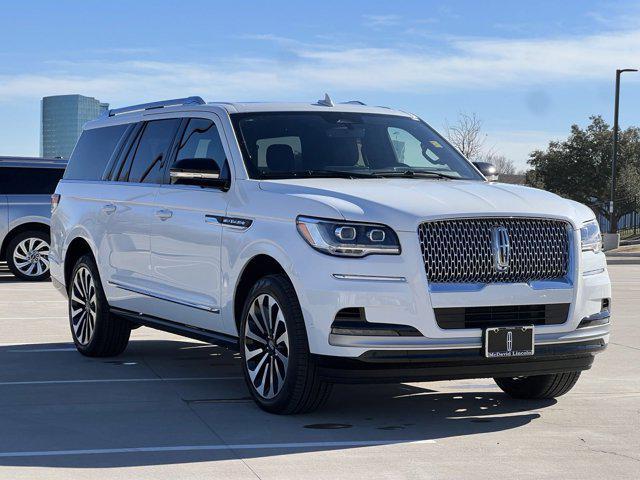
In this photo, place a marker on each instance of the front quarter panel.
(272, 232)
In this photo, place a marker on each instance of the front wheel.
(538, 386)
(280, 372)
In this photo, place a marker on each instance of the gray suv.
(26, 186)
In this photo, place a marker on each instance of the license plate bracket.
(509, 341)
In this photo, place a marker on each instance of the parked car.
(328, 243)
(26, 185)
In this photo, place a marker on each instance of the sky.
(528, 70)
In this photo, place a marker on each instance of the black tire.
(302, 389)
(109, 335)
(539, 386)
(15, 250)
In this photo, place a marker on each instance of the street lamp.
(613, 224)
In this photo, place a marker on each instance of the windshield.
(351, 145)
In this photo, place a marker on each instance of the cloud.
(376, 21)
(615, 14)
(306, 69)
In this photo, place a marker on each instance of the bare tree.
(502, 164)
(466, 135)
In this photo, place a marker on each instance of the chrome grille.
(459, 251)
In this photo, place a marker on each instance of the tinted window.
(148, 157)
(92, 152)
(24, 181)
(201, 140)
(264, 143)
(122, 168)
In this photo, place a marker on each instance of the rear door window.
(29, 181)
(146, 158)
(93, 152)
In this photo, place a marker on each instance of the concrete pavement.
(174, 408)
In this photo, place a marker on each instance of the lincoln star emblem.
(500, 248)
(509, 341)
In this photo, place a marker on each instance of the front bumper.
(393, 289)
(393, 366)
(369, 342)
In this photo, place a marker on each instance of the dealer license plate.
(509, 341)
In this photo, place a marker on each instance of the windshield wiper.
(318, 174)
(410, 173)
(407, 173)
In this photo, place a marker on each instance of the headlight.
(590, 237)
(348, 239)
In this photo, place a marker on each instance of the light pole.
(613, 224)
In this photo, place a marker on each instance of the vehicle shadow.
(185, 402)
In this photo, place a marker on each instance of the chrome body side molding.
(206, 308)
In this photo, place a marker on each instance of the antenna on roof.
(326, 102)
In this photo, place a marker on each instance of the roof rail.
(154, 105)
(353, 102)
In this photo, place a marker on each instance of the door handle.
(164, 214)
(109, 208)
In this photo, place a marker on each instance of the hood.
(403, 203)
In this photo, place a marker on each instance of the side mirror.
(203, 172)
(488, 170)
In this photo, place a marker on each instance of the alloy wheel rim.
(83, 305)
(31, 257)
(266, 346)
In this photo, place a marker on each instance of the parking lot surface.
(174, 408)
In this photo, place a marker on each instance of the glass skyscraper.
(61, 121)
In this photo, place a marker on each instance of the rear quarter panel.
(16, 210)
(76, 216)
(28, 208)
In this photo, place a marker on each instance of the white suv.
(328, 243)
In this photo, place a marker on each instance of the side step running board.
(201, 334)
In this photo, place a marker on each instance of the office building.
(61, 121)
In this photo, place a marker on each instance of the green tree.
(628, 187)
(580, 167)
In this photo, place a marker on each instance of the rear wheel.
(278, 368)
(96, 332)
(539, 386)
(28, 256)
